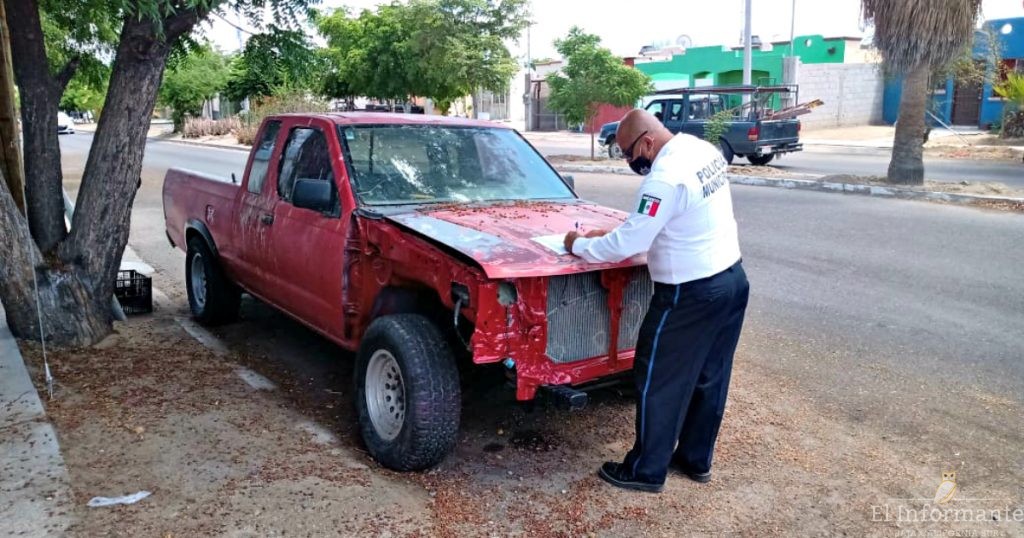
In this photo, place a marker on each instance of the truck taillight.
(753, 133)
(798, 126)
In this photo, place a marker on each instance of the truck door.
(657, 109)
(309, 246)
(695, 115)
(255, 214)
(674, 119)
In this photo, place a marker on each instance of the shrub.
(717, 126)
(1012, 89)
(199, 127)
(283, 103)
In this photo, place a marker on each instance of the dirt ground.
(152, 409)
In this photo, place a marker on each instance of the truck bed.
(190, 195)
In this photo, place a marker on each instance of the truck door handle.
(267, 219)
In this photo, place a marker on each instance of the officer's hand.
(570, 238)
(595, 233)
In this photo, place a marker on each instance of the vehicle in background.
(751, 130)
(65, 125)
(426, 245)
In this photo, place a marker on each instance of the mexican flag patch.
(649, 205)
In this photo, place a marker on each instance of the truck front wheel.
(213, 298)
(614, 151)
(407, 393)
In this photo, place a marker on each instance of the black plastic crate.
(134, 291)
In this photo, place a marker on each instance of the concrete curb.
(824, 186)
(869, 190)
(35, 492)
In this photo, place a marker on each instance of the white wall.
(852, 94)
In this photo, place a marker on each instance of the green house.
(719, 65)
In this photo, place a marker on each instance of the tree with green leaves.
(591, 76)
(53, 42)
(75, 269)
(192, 78)
(439, 49)
(277, 60)
(916, 38)
(1012, 90)
(83, 96)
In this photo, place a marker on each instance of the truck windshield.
(415, 164)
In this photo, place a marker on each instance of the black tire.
(219, 300)
(726, 150)
(429, 390)
(760, 160)
(614, 151)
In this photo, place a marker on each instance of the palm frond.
(909, 33)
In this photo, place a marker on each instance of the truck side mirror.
(315, 194)
(571, 181)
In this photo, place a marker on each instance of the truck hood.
(501, 237)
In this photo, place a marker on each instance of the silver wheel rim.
(615, 150)
(198, 281)
(385, 394)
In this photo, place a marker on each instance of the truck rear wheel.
(212, 297)
(407, 393)
(760, 160)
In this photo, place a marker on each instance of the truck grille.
(578, 316)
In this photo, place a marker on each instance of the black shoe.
(701, 478)
(616, 475)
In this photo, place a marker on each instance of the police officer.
(683, 220)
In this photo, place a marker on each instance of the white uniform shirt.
(682, 217)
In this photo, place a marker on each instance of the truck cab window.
(261, 157)
(305, 157)
(657, 110)
(676, 111)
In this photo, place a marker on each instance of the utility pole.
(792, 27)
(747, 51)
(10, 152)
(529, 82)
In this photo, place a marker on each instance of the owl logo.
(946, 489)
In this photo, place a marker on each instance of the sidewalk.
(35, 495)
(881, 137)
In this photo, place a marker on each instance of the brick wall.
(852, 94)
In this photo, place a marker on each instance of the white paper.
(108, 501)
(554, 242)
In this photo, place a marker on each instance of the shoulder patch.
(649, 205)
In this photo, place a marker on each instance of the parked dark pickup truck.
(748, 135)
(425, 245)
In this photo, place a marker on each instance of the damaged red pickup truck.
(419, 243)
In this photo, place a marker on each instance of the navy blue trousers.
(682, 367)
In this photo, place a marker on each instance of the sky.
(624, 27)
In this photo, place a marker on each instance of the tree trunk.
(10, 153)
(588, 125)
(77, 280)
(40, 95)
(99, 231)
(69, 314)
(907, 164)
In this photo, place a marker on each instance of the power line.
(235, 26)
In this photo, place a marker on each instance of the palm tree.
(915, 38)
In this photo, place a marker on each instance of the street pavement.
(906, 318)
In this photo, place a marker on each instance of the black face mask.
(641, 165)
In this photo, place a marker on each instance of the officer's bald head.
(638, 122)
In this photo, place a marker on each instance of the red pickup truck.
(424, 244)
